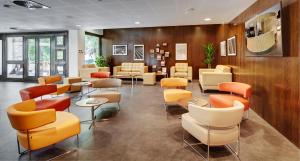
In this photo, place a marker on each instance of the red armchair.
(58, 103)
(239, 91)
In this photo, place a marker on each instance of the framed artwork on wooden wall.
(231, 46)
(181, 51)
(223, 48)
(264, 34)
(119, 49)
(138, 53)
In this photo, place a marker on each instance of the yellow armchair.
(61, 88)
(38, 129)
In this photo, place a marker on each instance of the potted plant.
(101, 61)
(209, 51)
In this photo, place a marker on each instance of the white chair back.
(217, 117)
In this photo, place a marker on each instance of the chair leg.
(119, 107)
(77, 141)
(208, 142)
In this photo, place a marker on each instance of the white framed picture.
(223, 48)
(119, 49)
(231, 46)
(181, 51)
(138, 52)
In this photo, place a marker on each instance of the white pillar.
(76, 43)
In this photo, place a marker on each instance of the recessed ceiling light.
(78, 25)
(207, 19)
(137, 22)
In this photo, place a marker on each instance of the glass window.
(44, 46)
(59, 54)
(60, 69)
(92, 46)
(59, 40)
(31, 57)
(14, 71)
(15, 48)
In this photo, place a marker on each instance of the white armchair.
(211, 78)
(214, 126)
(181, 70)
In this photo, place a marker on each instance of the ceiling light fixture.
(207, 19)
(137, 22)
(78, 25)
(30, 4)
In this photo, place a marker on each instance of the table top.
(82, 84)
(124, 76)
(98, 101)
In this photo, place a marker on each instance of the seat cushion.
(112, 96)
(222, 69)
(176, 95)
(137, 67)
(65, 126)
(180, 74)
(218, 136)
(59, 104)
(62, 88)
(126, 67)
(173, 82)
(226, 100)
(124, 73)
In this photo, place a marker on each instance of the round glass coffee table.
(93, 104)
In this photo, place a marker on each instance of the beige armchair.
(87, 69)
(211, 78)
(182, 70)
(127, 69)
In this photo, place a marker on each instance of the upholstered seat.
(100, 75)
(174, 83)
(58, 103)
(38, 129)
(181, 70)
(127, 69)
(175, 95)
(61, 88)
(86, 70)
(149, 78)
(225, 100)
(70, 81)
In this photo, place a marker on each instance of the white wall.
(76, 43)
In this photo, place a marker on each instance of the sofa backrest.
(132, 67)
(181, 67)
(126, 67)
(222, 69)
(37, 91)
(238, 88)
(89, 66)
(49, 79)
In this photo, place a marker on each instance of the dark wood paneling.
(194, 36)
(275, 80)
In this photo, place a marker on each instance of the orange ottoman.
(100, 75)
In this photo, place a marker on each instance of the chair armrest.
(172, 71)
(72, 80)
(145, 69)
(190, 72)
(212, 78)
(201, 70)
(116, 69)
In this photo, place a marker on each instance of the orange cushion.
(59, 104)
(225, 100)
(100, 75)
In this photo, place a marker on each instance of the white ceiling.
(105, 14)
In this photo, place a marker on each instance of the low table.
(83, 84)
(93, 106)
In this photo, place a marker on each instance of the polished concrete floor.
(142, 131)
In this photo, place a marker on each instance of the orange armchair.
(38, 129)
(61, 88)
(59, 103)
(239, 91)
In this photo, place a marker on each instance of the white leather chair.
(182, 70)
(211, 78)
(214, 126)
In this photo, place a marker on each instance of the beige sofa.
(181, 70)
(127, 69)
(86, 70)
(210, 78)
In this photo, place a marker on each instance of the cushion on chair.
(181, 67)
(226, 100)
(216, 135)
(175, 95)
(100, 75)
(126, 67)
(222, 69)
(59, 104)
(181, 74)
(112, 96)
(65, 126)
(62, 88)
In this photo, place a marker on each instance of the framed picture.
(158, 57)
(119, 49)
(164, 70)
(157, 45)
(263, 33)
(157, 50)
(231, 46)
(152, 51)
(165, 44)
(162, 63)
(223, 48)
(138, 52)
(161, 51)
(181, 51)
(167, 54)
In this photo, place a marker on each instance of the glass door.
(14, 57)
(44, 47)
(60, 59)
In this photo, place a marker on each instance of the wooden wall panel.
(194, 36)
(275, 80)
